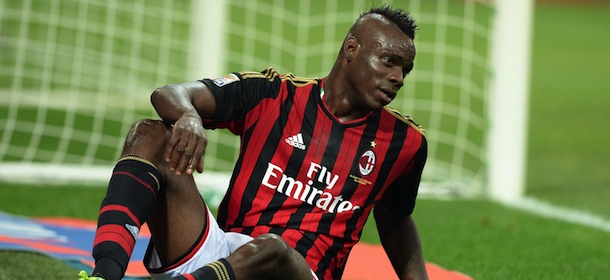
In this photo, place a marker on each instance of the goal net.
(75, 74)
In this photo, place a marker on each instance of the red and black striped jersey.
(305, 175)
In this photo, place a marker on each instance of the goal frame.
(508, 105)
(506, 138)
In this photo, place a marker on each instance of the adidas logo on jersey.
(296, 141)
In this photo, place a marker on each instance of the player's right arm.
(184, 106)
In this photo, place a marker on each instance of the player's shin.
(130, 198)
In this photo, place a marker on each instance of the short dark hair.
(398, 16)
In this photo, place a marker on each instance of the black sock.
(218, 270)
(130, 198)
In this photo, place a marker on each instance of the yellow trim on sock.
(137, 159)
(220, 269)
(145, 162)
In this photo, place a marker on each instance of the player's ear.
(350, 48)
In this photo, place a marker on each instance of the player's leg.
(142, 189)
(179, 218)
(266, 257)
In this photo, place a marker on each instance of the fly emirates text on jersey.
(276, 179)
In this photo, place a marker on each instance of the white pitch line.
(215, 185)
(551, 211)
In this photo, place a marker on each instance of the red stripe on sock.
(189, 277)
(116, 234)
(121, 208)
(137, 179)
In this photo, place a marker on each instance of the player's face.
(385, 57)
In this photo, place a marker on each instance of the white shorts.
(214, 244)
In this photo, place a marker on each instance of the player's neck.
(338, 102)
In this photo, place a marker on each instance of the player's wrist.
(192, 118)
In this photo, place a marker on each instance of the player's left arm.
(397, 229)
(400, 239)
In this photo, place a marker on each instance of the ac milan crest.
(366, 163)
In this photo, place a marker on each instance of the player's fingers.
(184, 156)
(180, 150)
(193, 153)
(199, 164)
(176, 156)
(197, 160)
(187, 149)
(171, 146)
(199, 142)
(176, 144)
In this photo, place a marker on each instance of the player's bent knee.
(147, 139)
(274, 244)
(287, 261)
(267, 250)
(268, 256)
(148, 127)
(284, 257)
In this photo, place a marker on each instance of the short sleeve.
(237, 93)
(401, 194)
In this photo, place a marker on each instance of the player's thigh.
(179, 218)
(213, 245)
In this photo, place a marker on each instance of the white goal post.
(75, 74)
(509, 92)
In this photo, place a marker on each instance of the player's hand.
(186, 147)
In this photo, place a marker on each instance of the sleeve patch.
(225, 80)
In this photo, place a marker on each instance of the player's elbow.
(161, 93)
